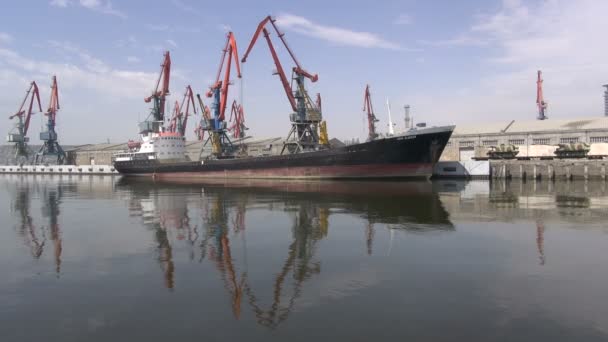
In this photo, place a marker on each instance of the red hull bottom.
(409, 170)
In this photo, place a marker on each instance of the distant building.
(470, 141)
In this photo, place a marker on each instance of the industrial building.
(474, 141)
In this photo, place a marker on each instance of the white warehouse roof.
(550, 125)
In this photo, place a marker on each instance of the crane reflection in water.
(36, 235)
(170, 209)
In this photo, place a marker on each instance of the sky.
(453, 62)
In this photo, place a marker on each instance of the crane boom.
(204, 109)
(20, 136)
(159, 95)
(540, 100)
(173, 122)
(51, 112)
(280, 71)
(33, 94)
(307, 126)
(371, 116)
(186, 101)
(51, 145)
(237, 121)
(229, 53)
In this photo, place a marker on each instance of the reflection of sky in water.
(429, 261)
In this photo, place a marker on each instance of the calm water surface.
(103, 259)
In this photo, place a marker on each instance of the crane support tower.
(18, 135)
(540, 100)
(371, 116)
(50, 145)
(155, 120)
(221, 145)
(306, 117)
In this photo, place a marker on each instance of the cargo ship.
(412, 154)
(307, 152)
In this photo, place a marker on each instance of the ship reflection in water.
(223, 208)
(93, 258)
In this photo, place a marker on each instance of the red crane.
(540, 100)
(308, 131)
(371, 117)
(298, 70)
(174, 118)
(237, 121)
(20, 138)
(179, 120)
(187, 101)
(51, 112)
(159, 95)
(229, 53)
(33, 94)
(51, 146)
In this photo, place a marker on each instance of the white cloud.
(185, 7)
(171, 42)
(403, 19)
(335, 34)
(101, 6)
(90, 62)
(460, 40)
(133, 59)
(60, 3)
(5, 38)
(172, 29)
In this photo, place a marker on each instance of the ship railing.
(134, 156)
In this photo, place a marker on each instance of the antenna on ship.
(391, 125)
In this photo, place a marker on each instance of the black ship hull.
(411, 155)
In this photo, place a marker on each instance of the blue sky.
(456, 62)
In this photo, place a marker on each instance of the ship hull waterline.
(411, 155)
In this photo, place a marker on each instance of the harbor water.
(102, 258)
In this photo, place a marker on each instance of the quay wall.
(557, 169)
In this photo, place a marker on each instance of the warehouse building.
(532, 137)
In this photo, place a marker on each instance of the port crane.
(306, 118)
(540, 100)
(158, 98)
(371, 117)
(179, 120)
(221, 146)
(237, 121)
(205, 117)
(20, 137)
(50, 146)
